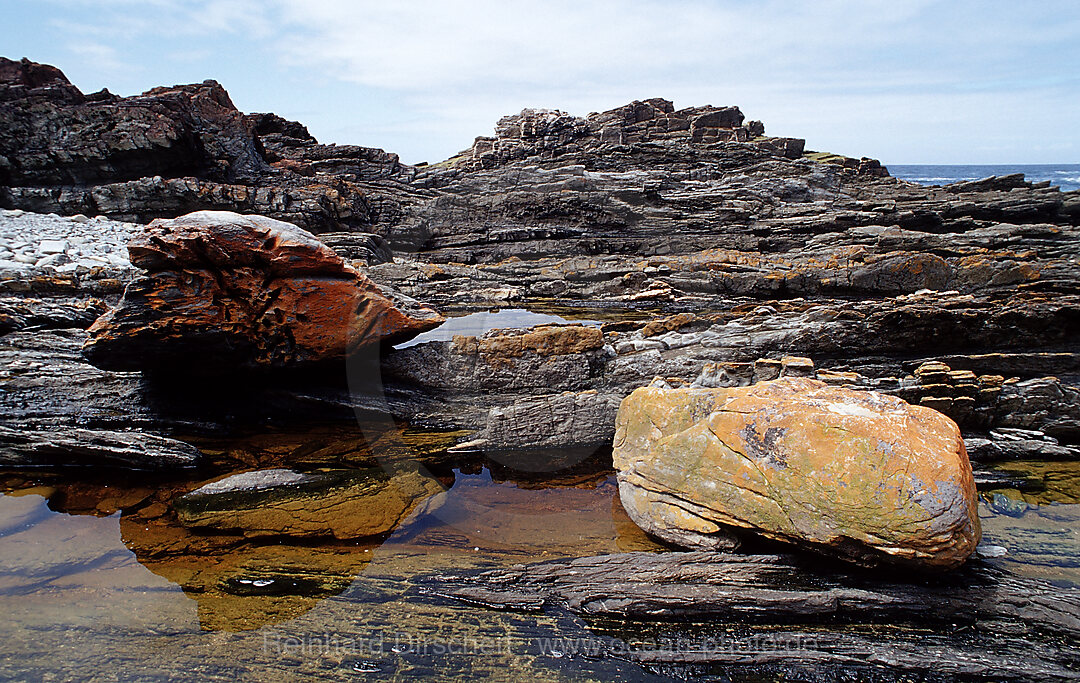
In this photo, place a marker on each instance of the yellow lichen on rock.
(858, 474)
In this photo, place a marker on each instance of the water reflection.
(235, 550)
(105, 571)
(264, 547)
(1036, 519)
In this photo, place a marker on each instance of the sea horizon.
(1065, 176)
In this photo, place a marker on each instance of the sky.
(904, 81)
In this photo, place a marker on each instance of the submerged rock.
(859, 475)
(229, 291)
(344, 504)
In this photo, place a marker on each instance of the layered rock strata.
(173, 150)
(789, 617)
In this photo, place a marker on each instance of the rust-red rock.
(225, 290)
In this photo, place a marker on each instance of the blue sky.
(905, 81)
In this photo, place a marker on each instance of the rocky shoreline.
(700, 255)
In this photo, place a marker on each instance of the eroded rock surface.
(860, 475)
(225, 291)
(765, 613)
(71, 447)
(647, 211)
(173, 150)
(568, 395)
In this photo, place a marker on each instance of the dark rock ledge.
(979, 623)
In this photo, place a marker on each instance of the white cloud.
(98, 55)
(862, 75)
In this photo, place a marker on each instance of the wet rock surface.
(342, 504)
(69, 447)
(981, 623)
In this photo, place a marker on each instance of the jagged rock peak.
(548, 132)
(29, 74)
(174, 149)
(25, 79)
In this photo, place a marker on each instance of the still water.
(100, 581)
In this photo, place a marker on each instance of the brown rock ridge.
(546, 133)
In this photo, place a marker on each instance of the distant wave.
(952, 179)
(1065, 176)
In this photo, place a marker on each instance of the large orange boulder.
(222, 290)
(855, 474)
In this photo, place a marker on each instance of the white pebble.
(53, 246)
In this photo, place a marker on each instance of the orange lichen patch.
(863, 475)
(1029, 271)
(917, 264)
(844, 257)
(668, 324)
(432, 270)
(294, 166)
(543, 340)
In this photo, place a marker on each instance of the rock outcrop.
(697, 249)
(858, 475)
(224, 291)
(685, 613)
(569, 397)
(174, 150)
(645, 212)
(546, 133)
(108, 449)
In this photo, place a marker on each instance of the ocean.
(1065, 176)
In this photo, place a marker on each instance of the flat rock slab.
(977, 622)
(93, 448)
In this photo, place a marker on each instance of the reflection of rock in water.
(330, 445)
(340, 503)
(242, 583)
(245, 586)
